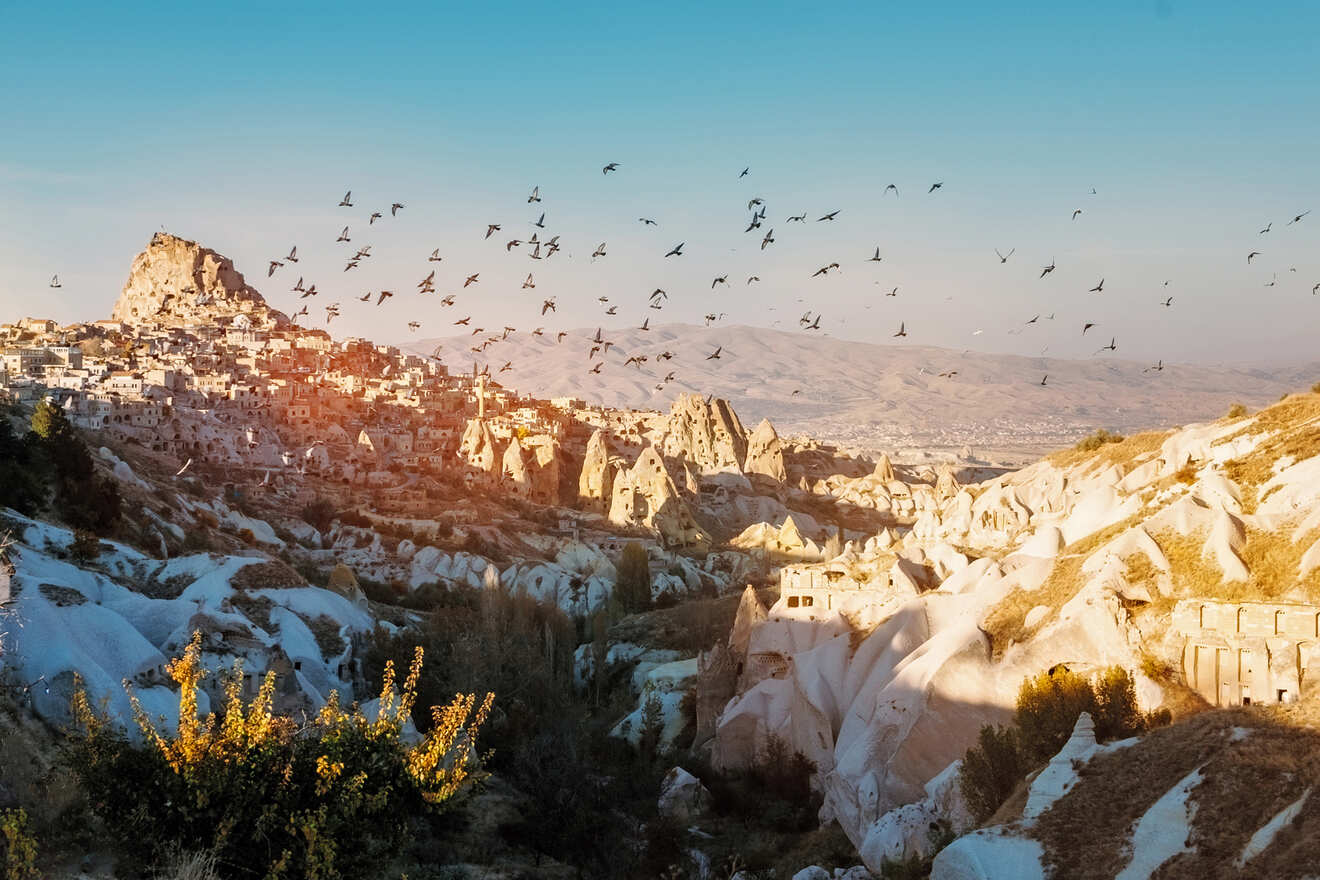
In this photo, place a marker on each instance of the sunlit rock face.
(179, 282)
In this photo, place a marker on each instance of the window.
(807, 601)
(792, 601)
(1278, 623)
(297, 665)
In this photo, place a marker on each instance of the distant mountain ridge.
(875, 396)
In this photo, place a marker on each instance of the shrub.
(82, 498)
(85, 547)
(632, 585)
(1047, 710)
(270, 797)
(1315, 389)
(1116, 712)
(319, 514)
(991, 770)
(1237, 411)
(20, 847)
(1099, 438)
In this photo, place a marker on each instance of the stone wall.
(1238, 653)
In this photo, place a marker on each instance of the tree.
(22, 472)
(1116, 712)
(1047, 710)
(991, 770)
(82, 498)
(632, 585)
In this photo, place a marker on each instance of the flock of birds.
(539, 245)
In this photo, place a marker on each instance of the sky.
(241, 126)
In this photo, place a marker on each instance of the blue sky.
(241, 126)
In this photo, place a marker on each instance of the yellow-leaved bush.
(273, 797)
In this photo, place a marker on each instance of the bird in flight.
(744, 172)
(648, 221)
(1168, 302)
(413, 325)
(1158, 368)
(491, 229)
(343, 236)
(535, 196)
(1045, 270)
(934, 186)
(646, 325)
(1251, 256)
(596, 369)
(55, 281)
(876, 258)
(751, 278)
(769, 238)
(612, 310)
(394, 209)
(366, 297)
(293, 255)
(902, 330)
(888, 188)
(347, 201)
(723, 279)
(1266, 229)
(830, 216)
(1003, 258)
(471, 279)
(1034, 319)
(1075, 213)
(375, 215)
(435, 256)
(797, 218)
(1043, 379)
(1099, 288)
(511, 244)
(1112, 346)
(1298, 218)
(613, 166)
(463, 321)
(824, 269)
(599, 251)
(1087, 326)
(528, 283)
(715, 355)
(677, 250)
(384, 295)
(540, 221)
(561, 335)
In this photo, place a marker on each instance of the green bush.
(17, 846)
(632, 585)
(991, 770)
(82, 498)
(319, 514)
(270, 797)
(1116, 714)
(1047, 710)
(85, 548)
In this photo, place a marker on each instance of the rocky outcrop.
(477, 446)
(707, 434)
(596, 482)
(765, 454)
(645, 495)
(178, 282)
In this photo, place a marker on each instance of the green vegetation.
(50, 468)
(1047, 710)
(270, 796)
(18, 848)
(1237, 411)
(632, 588)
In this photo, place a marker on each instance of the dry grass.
(1271, 558)
(325, 629)
(62, 596)
(1294, 424)
(1128, 451)
(272, 575)
(1006, 624)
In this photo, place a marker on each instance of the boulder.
(682, 796)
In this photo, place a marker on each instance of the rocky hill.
(876, 396)
(1190, 557)
(179, 282)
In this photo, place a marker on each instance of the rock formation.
(477, 446)
(596, 483)
(179, 282)
(765, 455)
(645, 495)
(708, 435)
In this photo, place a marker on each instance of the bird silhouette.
(1168, 302)
(1045, 270)
(797, 218)
(751, 278)
(293, 255)
(1003, 258)
(395, 208)
(902, 330)
(55, 281)
(435, 256)
(384, 295)
(830, 216)
(1252, 256)
(646, 220)
(723, 279)
(715, 355)
(1075, 213)
(346, 201)
(491, 229)
(343, 236)
(528, 283)
(888, 188)
(471, 279)
(612, 166)
(1099, 288)
(934, 186)
(535, 196)
(599, 251)
(876, 258)
(676, 250)
(375, 215)
(769, 239)
(1087, 326)
(463, 321)
(1298, 218)
(744, 172)
(1044, 379)
(539, 223)
(1267, 228)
